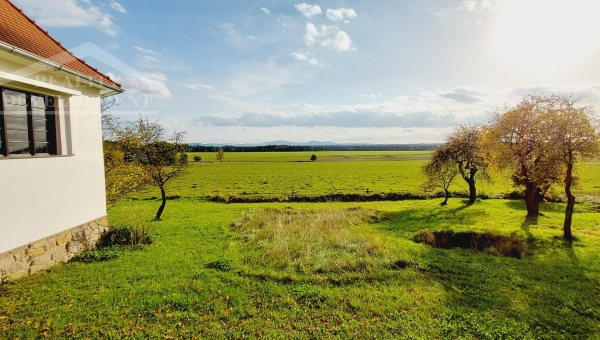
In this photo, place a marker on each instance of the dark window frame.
(51, 120)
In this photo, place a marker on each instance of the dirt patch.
(488, 242)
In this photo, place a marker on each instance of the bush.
(183, 158)
(99, 255)
(197, 158)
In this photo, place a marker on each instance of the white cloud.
(150, 59)
(491, 5)
(299, 56)
(199, 86)
(372, 95)
(340, 42)
(118, 7)
(305, 57)
(328, 36)
(340, 14)
(471, 5)
(143, 50)
(265, 10)
(69, 13)
(308, 10)
(147, 84)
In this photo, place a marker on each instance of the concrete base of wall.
(49, 251)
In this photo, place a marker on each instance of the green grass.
(213, 269)
(279, 173)
(168, 289)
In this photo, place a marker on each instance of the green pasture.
(169, 290)
(280, 173)
(206, 277)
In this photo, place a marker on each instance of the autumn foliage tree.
(518, 141)
(220, 154)
(573, 137)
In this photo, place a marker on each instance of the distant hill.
(285, 146)
(276, 142)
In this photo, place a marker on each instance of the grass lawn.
(321, 270)
(168, 290)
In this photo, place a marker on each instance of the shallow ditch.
(487, 242)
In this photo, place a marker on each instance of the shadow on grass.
(498, 297)
(544, 207)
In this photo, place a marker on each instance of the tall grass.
(310, 241)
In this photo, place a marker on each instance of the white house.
(52, 201)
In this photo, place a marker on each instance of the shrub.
(197, 158)
(99, 255)
(183, 158)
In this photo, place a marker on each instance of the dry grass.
(310, 241)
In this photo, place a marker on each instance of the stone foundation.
(49, 251)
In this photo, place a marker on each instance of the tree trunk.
(163, 204)
(567, 233)
(447, 194)
(472, 191)
(532, 200)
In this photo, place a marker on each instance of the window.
(27, 124)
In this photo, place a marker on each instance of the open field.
(254, 271)
(278, 173)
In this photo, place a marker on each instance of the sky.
(390, 72)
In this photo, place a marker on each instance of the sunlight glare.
(547, 35)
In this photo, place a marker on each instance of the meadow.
(279, 173)
(321, 270)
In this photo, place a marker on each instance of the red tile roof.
(18, 30)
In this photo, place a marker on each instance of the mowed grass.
(229, 271)
(279, 174)
(168, 290)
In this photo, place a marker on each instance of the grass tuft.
(310, 241)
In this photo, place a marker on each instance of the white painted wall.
(40, 197)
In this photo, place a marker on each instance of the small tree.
(574, 138)
(440, 172)
(463, 146)
(183, 158)
(314, 158)
(220, 154)
(121, 177)
(160, 158)
(197, 158)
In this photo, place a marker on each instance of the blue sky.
(402, 71)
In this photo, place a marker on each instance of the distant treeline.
(292, 148)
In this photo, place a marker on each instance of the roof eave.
(33, 57)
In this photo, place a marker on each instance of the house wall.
(45, 196)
